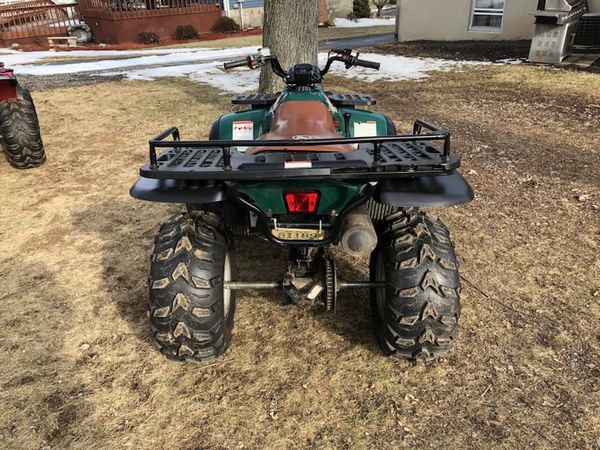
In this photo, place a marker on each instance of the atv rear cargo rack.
(375, 158)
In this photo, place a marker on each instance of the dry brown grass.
(74, 257)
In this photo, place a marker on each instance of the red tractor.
(19, 125)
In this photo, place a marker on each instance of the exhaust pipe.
(358, 234)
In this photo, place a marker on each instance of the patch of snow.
(346, 23)
(511, 61)
(205, 65)
(152, 73)
(163, 61)
(396, 68)
(236, 81)
(12, 58)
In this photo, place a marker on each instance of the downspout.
(226, 8)
(241, 6)
(397, 33)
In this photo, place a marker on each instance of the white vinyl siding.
(488, 14)
(247, 4)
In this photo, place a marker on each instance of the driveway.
(363, 41)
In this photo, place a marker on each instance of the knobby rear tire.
(191, 314)
(416, 316)
(20, 130)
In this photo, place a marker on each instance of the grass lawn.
(77, 369)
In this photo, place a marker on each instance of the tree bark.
(379, 4)
(291, 32)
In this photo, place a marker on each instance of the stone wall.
(253, 17)
(339, 8)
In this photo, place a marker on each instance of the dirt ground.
(460, 50)
(77, 369)
(470, 51)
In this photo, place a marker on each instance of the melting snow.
(396, 68)
(13, 58)
(345, 23)
(205, 65)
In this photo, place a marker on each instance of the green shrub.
(361, 9)
(226, 25)
(186, 33)
(148, 37)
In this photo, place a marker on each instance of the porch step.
(582, 60)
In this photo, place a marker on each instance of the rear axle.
(243, 285)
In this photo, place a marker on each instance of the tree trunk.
(291, 32)
(379, 4)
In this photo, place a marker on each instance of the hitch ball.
(359, 238)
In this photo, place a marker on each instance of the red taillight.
(299, 202)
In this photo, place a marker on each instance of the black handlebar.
(368, 64)
(346, 56)
(236, 63)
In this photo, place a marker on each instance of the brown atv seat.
(298, 120)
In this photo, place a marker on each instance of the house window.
(488, 14)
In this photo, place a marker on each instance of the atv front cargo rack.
(375, 158)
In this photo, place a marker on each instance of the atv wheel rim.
(226, 279)
(380, 293)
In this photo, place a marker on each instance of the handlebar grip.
(368, 64)
(238, 63)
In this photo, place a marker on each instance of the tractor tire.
(191, 314)
(21, 133)
(416, 315)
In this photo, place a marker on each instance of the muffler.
(359, 238)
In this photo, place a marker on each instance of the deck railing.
(36, 19)
(120, 9)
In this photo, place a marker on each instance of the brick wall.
(126, 29)
(323, 11)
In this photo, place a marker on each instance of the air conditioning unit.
(588, 32)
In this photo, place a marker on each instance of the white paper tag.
(365, 129)
(243, 131)
(297, 165)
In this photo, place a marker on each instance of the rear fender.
(9, 87)
(247, 124)
(370, 123)
(425, 191)
(178, 191)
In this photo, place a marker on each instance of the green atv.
(305, 169)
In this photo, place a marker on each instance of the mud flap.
(177, 191)
(425, 191)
